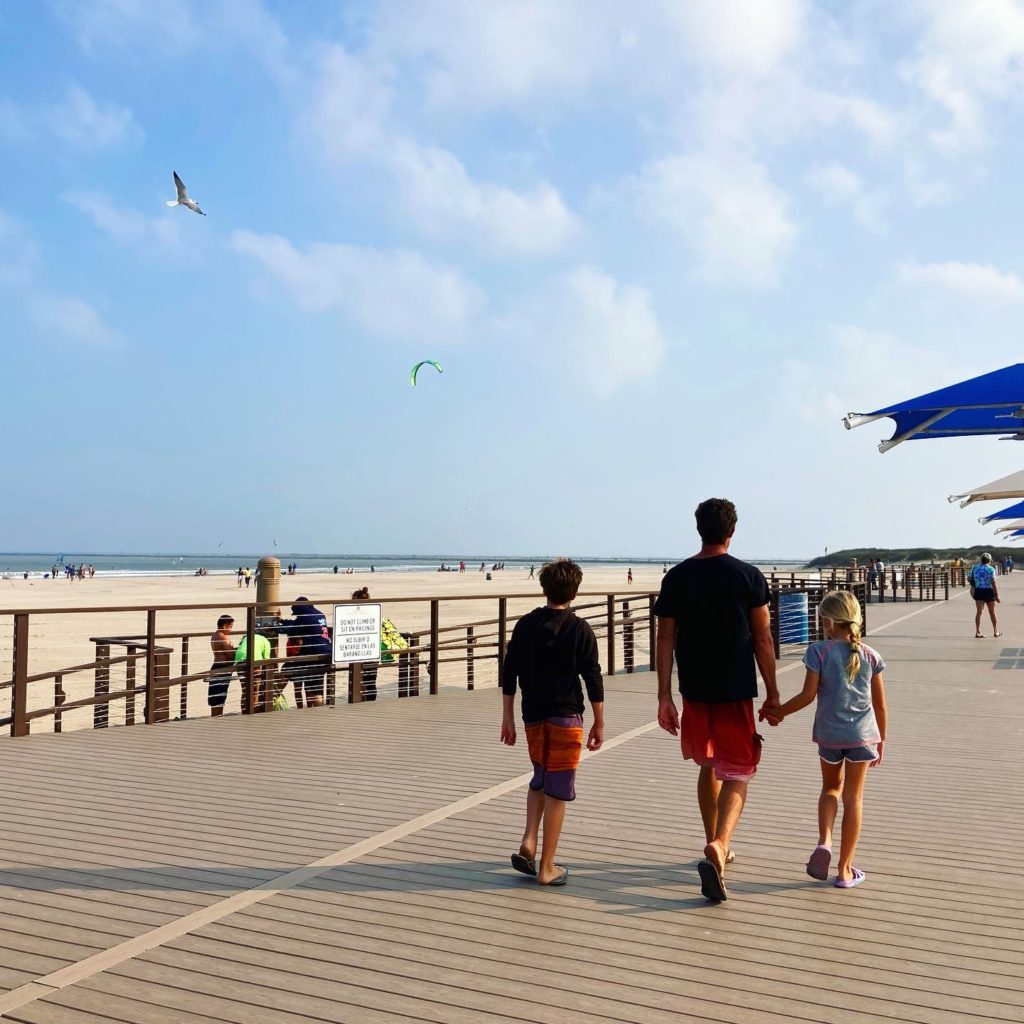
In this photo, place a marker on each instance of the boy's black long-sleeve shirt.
(549, 651)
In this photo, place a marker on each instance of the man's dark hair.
(560, 580)
(716, 520)
(224, 620)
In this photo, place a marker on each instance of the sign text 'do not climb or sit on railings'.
(356, 633)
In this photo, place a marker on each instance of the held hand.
(881, 754)
(508, 732)
(767, 709)
(668, 717)
(596, 738)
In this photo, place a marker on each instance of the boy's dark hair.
(560, 580)
(224, 620)
(716, 520)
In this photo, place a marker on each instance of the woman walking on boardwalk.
(844, 675)
(985, 593)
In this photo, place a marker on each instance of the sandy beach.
(61, 640)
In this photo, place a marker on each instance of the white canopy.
(1011, 486)
(1017, 524)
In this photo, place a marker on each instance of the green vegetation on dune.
(894, 556)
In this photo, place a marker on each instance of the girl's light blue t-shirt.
(844, 716)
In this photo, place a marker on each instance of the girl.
(850, 723)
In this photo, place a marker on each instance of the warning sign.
(356, 633)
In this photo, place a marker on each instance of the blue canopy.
(1012, 512)
(990, 404)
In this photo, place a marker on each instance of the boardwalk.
(350, 864)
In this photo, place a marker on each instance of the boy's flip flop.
(524, 864)
(712, 884)
(560, 880)
(849, 883)
(818, 862)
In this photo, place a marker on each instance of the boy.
(550, 649)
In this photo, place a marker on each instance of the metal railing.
(146, 675)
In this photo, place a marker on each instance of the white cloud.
(728, 209)
(129, 227)
(125, 22)
(78, 119)
(980, 280)
(839, 186)
(442, 196)
(84, 122)
(745, 37)
(71, 317)
(67, 316)
(500, 54)
(606, 332)
(969, 55)
(352, 117)
(391, 293)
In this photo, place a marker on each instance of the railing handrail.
(245, 605)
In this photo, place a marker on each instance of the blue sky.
(659, 248)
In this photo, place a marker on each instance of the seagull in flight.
(183, 196)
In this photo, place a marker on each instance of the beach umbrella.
(1010, 512)
(992, 404)
(1017, 524)
(1011, 486)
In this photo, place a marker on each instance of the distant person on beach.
(982, 579)
(335, 570)
(241, 573)
(247, 575)
(219, 679)
(549, 651)
(844, 676)
(531, 576)
(713, 618)
(309, 627)
(629, 576)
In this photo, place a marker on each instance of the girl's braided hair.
(844, 610)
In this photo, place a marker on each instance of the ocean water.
(39, 563)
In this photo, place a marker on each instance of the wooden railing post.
(150, 709)
(435, 653)
(610, 669)
(627, 638)
(19, 694)
(183, 696)
(59, 696)
(355, 683)
(101, 687)
(652, 629)
(945, 580)
(470, 660)
(502, 634)
(129, 701)
(414, 673)
(250, 703)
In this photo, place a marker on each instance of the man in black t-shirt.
(713, 619)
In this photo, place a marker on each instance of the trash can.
(488, 576)
(793, 622)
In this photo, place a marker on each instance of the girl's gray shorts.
(836, 755)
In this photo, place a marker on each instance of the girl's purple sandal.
(849, 883)
(818, 862)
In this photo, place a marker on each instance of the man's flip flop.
(849, 883)
(524, 864)
(712, 884)
(560, 880)
(818, 862)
